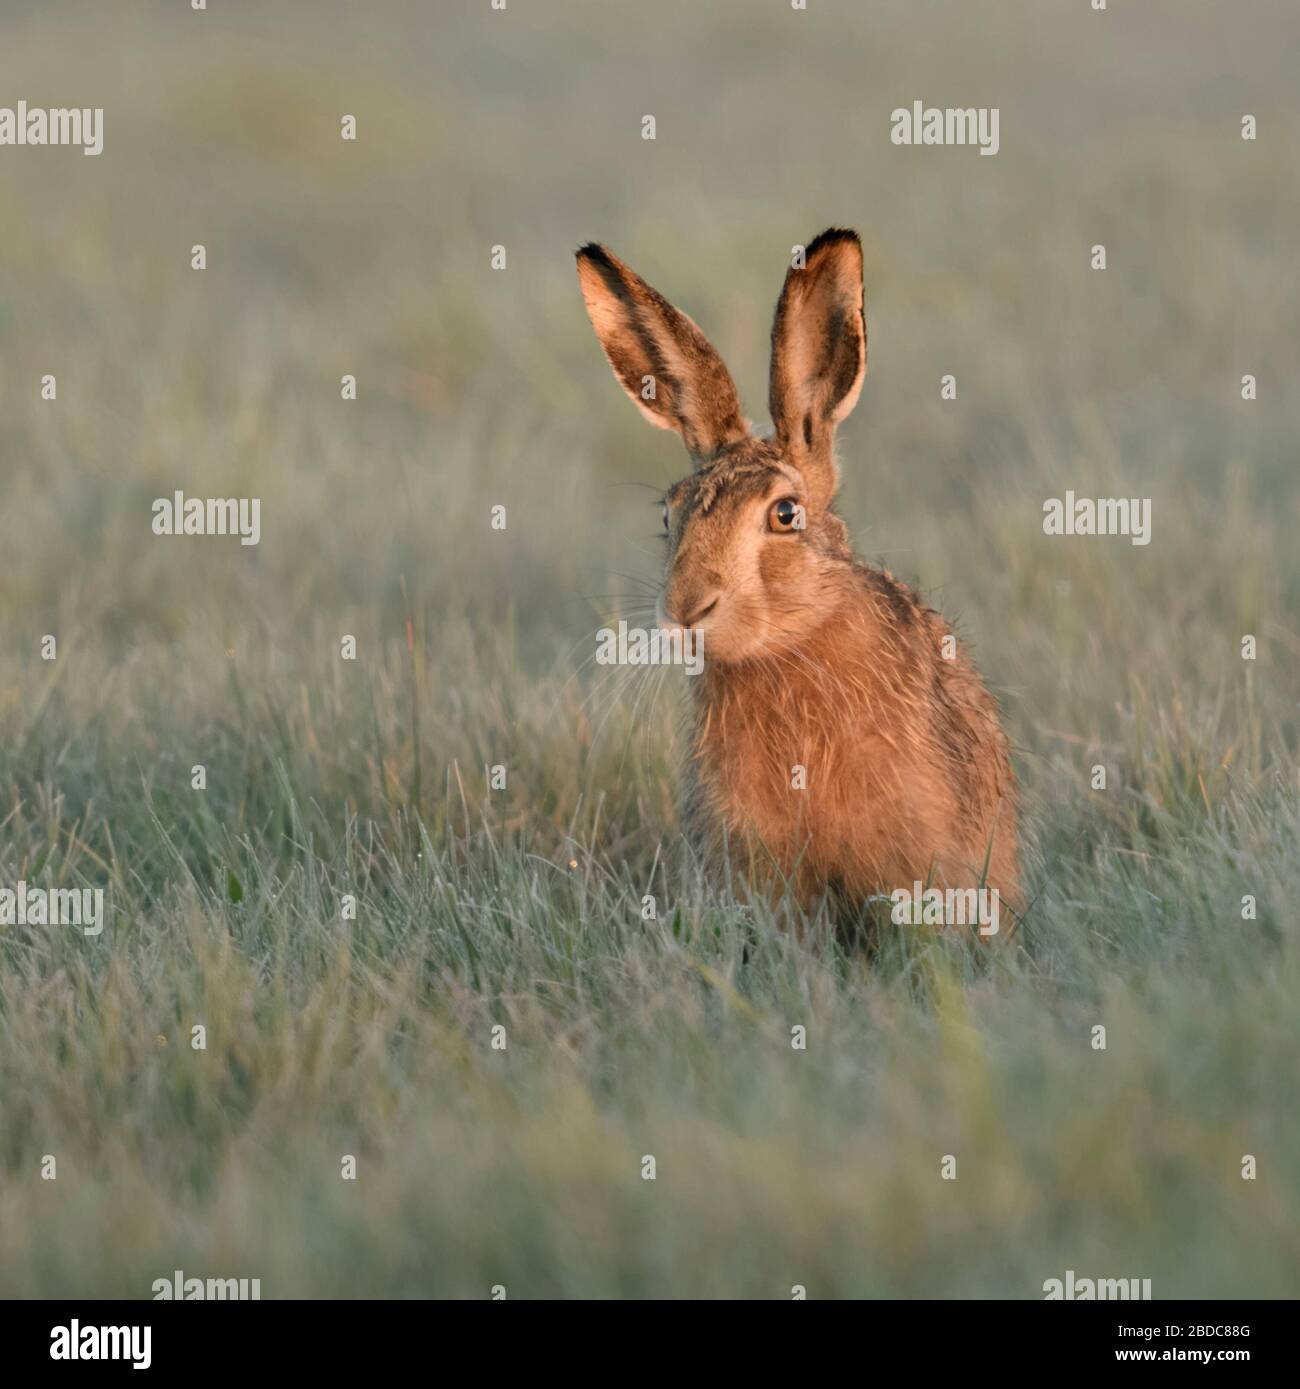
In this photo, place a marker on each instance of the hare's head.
(756, 555)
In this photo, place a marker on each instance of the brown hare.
(842, 743)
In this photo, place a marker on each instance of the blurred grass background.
(479, 387)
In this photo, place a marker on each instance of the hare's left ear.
(819, 355)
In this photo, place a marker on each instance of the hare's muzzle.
(688, 610)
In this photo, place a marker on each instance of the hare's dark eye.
(785, 515)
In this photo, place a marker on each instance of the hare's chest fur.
(823, 782)
(836, 769)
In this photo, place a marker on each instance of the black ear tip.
(592, 251)
(833, 236)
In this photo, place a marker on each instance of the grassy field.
(521, 907)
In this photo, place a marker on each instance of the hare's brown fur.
(813, 660)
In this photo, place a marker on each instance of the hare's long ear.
(819, 356)
(667, 366)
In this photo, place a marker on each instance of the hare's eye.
(785, 515)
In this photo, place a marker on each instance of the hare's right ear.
(667, 366)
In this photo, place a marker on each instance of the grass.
(522, 908)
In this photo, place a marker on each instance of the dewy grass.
(625, 1036)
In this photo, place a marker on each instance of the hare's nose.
(702, 609)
